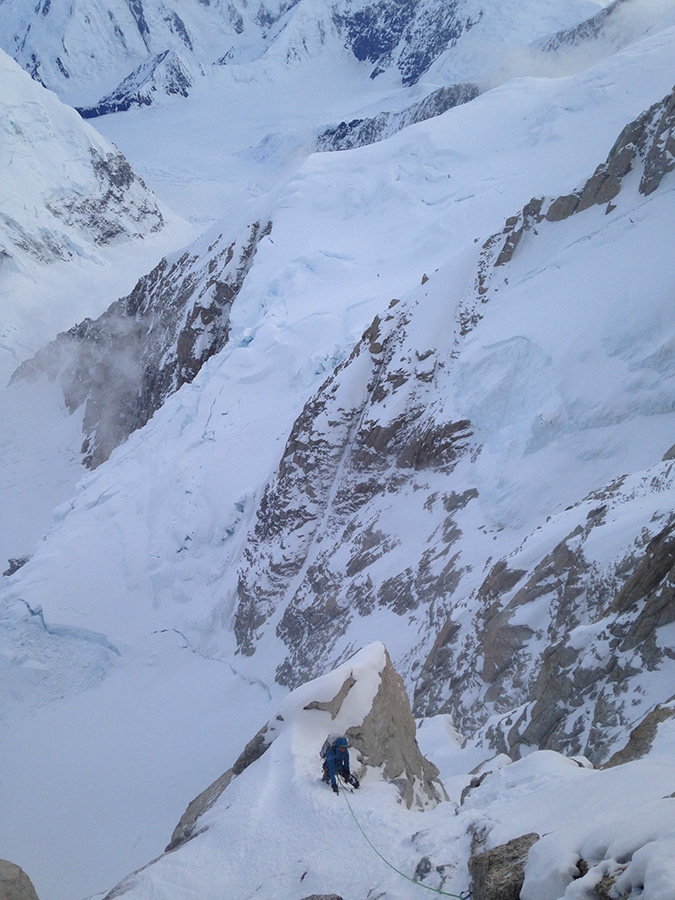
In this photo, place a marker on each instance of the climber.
(336, 761)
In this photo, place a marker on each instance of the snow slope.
(80, 189)
(277, 831)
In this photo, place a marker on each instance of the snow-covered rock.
(604, 833)
(577, 686)
(360, 132)
(163, 75)
(65, 188)
(279, 771)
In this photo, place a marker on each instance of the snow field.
(135, 739)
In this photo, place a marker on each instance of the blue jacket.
(337, 760)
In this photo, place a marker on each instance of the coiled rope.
(465, 895)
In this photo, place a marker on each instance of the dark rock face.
(164, 73)
(410, 34)
(360, 132)
(317, 549)
(145, 346)
(15, 563)
(498, 874)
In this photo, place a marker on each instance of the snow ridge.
(164, 74)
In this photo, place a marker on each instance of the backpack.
(327, 744)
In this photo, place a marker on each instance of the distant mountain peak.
(162, 75)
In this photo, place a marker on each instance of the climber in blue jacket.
(336, 762)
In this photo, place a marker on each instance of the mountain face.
(414, 390)
(145, 48)
(327, 551)
(145, 346)
(80, 189)
(408, 35)
(164, 74)
(322, 554)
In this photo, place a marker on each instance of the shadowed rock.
(498, 874)
(14, 883)
(642, 737)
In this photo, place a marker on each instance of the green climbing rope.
(462, 896)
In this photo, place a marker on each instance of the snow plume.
(145, 346)
(618, 25)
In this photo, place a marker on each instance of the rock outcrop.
(382, 742)
(360, 132)
(642, 737)
(322, 897)
(385, 740)
(14, 883)
(498, 874)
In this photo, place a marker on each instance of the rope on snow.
(465, 895)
